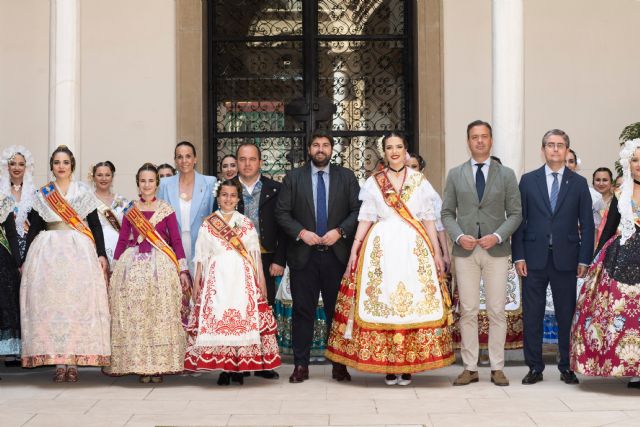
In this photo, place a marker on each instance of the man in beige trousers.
(480, 211)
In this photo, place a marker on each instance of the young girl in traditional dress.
(232, 327)
(150, 281)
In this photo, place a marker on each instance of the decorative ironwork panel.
(279, 154)
(358, 153)
(360, 17)
(366, 83)
(254, 81)
(257, 18)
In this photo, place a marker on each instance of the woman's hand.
(185, 280)
(104, 265)
(439, 264)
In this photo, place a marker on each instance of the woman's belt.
(58, 225)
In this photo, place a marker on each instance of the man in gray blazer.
(480, 211)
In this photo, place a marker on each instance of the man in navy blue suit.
(553, 245)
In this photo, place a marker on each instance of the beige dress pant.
(493, 271)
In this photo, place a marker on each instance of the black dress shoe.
(340, 373)
(569, 377)
(633, 384)
(237, 377)
(270, 375)
(15, 363)
(300, 373)
(224, 378)
(532, 377)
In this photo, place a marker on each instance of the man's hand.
(310, 238)
(331, 237)
(582, 271)
(488, 241)
(447, 262)
(521, 268)
(276, 270)
(467, 242)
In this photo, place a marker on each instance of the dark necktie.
(480, 181)
(321, 206)
(555, 189)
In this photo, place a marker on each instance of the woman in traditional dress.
(110, 207)
(605, 337)
(393, 310)
(16, 184)
(9, 280)
(231, 327)
(603, 184)
(63, 297)
(149, 285)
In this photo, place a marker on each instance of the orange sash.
(149, 232)
(226, 233)
(64, 210)
(394, 201)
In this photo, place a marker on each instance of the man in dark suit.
(553, 245)
(318, 210)
(258, 203)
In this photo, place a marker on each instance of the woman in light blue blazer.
(190, 194)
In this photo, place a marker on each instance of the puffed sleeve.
(203, 247)
(437, 205)
(425, 207)
(368, 210)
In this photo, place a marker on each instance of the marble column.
(508, 82)
(64, 75)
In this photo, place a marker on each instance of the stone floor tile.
(352, 406)
(377, 419)
(384, 392)
(14, 419)
(114, 406)
(94, 391)
(422, 406)
(76, 420)
(508, 405)
(612, 403)
(193, 393)
(480, 390)
(481, 420)
(279, 420)
(633, 422)
(48, 406)
(577, 419)
(240, 406)
(182, 419)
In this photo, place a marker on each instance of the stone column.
(508, 82)
(64, 75)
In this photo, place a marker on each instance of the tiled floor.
(29, 398)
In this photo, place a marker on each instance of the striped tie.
(555, 189)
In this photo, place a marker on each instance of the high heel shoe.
(237, 377)
(224, 378)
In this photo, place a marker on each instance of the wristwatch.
(343, 233)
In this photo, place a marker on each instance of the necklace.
(636, 181)
(147, 203)
(396, 171)
(16, 187)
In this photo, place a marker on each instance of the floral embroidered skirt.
(605, 337)
(513, 314)
(392, 315)
(147, 336)
(64, 303)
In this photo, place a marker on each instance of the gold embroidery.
(413, 181)
(401, 300)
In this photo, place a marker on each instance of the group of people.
(185, 278)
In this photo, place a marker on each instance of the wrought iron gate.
(282, 68)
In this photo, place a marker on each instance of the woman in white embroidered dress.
(63, 298)
(232, 327)
(16, 184)
(393, 312)
(110, 207)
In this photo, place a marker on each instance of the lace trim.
(6, 207)
(82, 200)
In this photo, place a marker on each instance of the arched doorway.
(283, 68)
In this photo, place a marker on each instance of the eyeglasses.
(558, 145)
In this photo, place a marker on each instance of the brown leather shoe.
(72, 375)
(466, 378)
(340, 373)
(60, 376)
(300, 373)
(498, 378)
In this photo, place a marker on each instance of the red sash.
(149, 232)
(64, 210)
(394, 201)
(110, 217)
(226, 233)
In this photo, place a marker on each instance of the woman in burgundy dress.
(149, 285)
